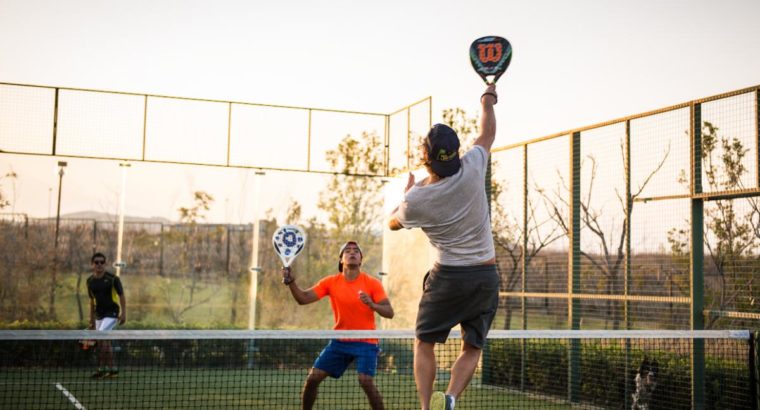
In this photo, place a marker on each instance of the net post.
(697, 261)
(753, 387)
(574, 265)
(757, 136)
(524, 261)
(627, 265)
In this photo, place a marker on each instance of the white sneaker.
(440, 401)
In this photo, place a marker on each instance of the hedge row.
(602, 380)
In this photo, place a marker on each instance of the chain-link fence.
(645, 222)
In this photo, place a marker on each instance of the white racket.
(288, 241)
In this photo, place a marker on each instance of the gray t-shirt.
(453, 213)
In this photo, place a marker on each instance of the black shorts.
(458, 295)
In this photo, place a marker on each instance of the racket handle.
(287, 280)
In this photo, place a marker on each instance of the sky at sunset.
(575, 63)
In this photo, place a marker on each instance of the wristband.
(287, 282)
(495, 97)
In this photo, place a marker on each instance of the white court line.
(70, 396)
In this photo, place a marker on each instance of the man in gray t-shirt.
(462, 288)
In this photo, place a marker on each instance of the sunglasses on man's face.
(98, 262)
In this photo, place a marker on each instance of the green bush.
(603, 373)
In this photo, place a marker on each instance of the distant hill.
(106, 217)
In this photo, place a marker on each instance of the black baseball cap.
(343, 249)
(443, 150)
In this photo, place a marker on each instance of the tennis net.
(267, 369)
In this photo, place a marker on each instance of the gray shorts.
(458, 295)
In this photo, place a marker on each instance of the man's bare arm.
(123, 306)
(303, 297)
(487, 119)
(383, 307)
(92, 314)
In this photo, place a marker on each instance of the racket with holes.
(288, 241)
(490, 56)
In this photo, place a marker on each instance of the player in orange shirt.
(355, 297)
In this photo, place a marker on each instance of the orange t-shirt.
(349, 311)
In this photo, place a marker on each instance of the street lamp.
(254, 268)
(119, 264)
(54, 284)
(61, 172)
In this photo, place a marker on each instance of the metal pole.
(627, 266)
(58, 206)
(697, 262)
(122, 198)
(753, 370)
(54, 282)
(254, 268)
(574, 271)
(524, 269)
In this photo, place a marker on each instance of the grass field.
(140, 388)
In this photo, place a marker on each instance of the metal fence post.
(574, 269)
(627, 265)
(524, 262)
(697, 262)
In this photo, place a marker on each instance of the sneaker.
(112, 373)
(440, 401)
(101, 373)
(449, 402)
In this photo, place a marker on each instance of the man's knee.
(366, 381)
(423, 346)
(315, 377)
(467, 347)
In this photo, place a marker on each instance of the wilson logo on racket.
(489, 53)
(490, 56)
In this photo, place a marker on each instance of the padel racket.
(288, 241)
(490, 56)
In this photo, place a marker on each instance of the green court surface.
(137, 388)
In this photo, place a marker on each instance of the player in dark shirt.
(108, 305)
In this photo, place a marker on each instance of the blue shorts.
(337, 355)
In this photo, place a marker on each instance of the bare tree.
(611, 246)
(193, 260)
